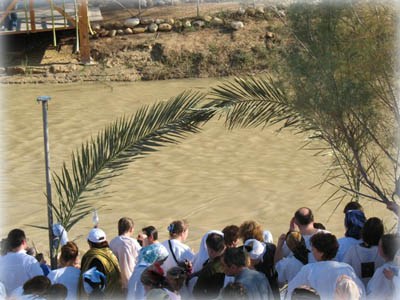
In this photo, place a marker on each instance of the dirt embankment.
(208, 48)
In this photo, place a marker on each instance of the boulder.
(170, 21)
(132, 22)
(159, 21)
(217, 21)
(112, 33)
(139, 30)
(146, 21)
(236, 25)
(128, 31)
(187, 24)
(152, 27)
(165, 27)
(207, 19)
(198, 24)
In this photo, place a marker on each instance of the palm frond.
(116, 146)
(253, 102)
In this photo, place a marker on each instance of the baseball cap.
(96, 235)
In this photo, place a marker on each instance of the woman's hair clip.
(171, 227)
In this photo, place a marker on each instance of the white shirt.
(322, 277)
(181, 252)
(357, 255)
(16, 268)
(379, 287)
(68, 276)
(345, 243)
(126, 249)
(287, 268)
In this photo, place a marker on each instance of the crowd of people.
(238, 262)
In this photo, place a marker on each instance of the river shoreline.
(207, 47)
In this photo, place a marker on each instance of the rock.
(241, 11)
(152, 27)
(112, 33)
(170, 21)
(165, 27)
(104, 33)
(97, 27)
(207, 19)
(2, 70)
(120, 32)
(281, 13)
(236, 25)
(62, 68)
(139, 30)
(128, 31)
(198, 24)
(146, 21)
(132, 22)
(269, 35)
(217, 21)
(178, 25)
(159, 21)
(187, 24)
(250, 11)
(15, 70)
(260, 10)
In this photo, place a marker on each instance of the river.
(214, 178)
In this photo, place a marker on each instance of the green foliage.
(338, 79)
(118, 145)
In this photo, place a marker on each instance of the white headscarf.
(202, 255)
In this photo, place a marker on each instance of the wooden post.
(32, 14)
(84, 47)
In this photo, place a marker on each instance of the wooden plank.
(84, 47)
(32, 14)
(63, 13)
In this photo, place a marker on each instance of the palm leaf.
(116, 146)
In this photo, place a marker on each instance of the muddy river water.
(214, 178)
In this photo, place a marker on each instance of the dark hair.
(57, 291)
(100, 245)
(37, 285)
(234, 290)
(215, 242)
(305, 292)
(151, 231)
(390, 244)
(176, 277)
(153, 277)
(177, 227)
(231, 234)
(124, 225)
(251, 230)
(69, 252)
(297, 244)
(235, 256)
(354, 221)
(325, 243)
(372, 231)
(353, 205)
(319, 226)
(15, 238)
(302, 217)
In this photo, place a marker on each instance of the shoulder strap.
(172, 251)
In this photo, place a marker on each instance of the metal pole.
(45, 100)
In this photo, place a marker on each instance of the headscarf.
(354, 222)
(202, 255)
(152, 253)
(267, 236)
(255, 249)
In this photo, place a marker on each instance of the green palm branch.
(116, 146)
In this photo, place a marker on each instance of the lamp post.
(44, 100)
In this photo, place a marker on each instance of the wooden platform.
(44, 21)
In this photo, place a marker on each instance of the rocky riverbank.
(160, 45)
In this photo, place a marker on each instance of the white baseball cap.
(96, 235)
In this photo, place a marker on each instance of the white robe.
(181, 252)
(287, 268)
(379, 287)
(345, 243)
(322, 277)
(68, 276)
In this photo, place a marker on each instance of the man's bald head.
(304, 216)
